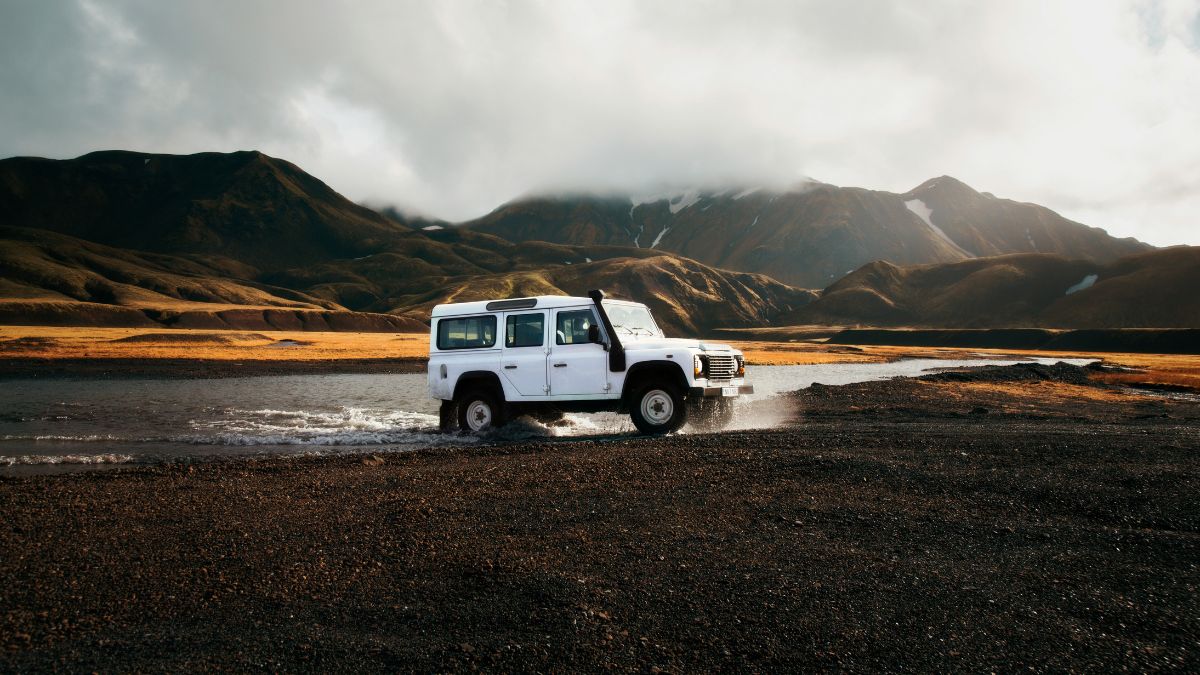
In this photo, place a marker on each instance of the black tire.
(479, 411)
(710, 414)
(658, 408)
(448, 417)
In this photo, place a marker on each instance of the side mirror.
(594, 335)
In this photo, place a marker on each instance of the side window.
(470, 332)
(572, 328)
(525, 330)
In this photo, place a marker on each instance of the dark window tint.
(469, 332)
(525, 330)
(573, 327)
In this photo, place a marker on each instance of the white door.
(577, 367)
(523, 357)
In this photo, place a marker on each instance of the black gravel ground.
(876, 541)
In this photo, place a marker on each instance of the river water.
(71, 424)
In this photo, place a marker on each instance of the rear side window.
(471, 332)
(573, 327)
(525, 330)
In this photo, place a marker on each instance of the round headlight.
(697, 365)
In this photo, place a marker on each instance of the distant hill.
(810, 235)
(246, 206)
(1147, 290)
(48, 278)
(47, 265)
(687, 297)
(983, 225)
(51, 278)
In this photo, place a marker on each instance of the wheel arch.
(479, 378)
(648, 371)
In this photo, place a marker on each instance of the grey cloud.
(453, 107)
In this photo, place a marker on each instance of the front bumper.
(710, 392)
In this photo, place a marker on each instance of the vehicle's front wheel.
(479, 411)
(658, 409)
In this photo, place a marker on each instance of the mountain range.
(246, 240)
(810, 235)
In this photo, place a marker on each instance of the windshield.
(631, 320)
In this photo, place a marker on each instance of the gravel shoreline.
(889, 539)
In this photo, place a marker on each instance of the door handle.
(509, 367)
(560, 365)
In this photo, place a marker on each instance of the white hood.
(655, 342)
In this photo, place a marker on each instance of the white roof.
(542, 302)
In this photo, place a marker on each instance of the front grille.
(721, 366)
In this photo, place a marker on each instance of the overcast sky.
(450, 108)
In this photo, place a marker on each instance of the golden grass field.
(50, 342)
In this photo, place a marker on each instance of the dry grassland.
(1027, 397)
(148, 343)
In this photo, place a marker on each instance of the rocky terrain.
(905, 525)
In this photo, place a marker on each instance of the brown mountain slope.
(53, 279)
(687, 298)
(397, 279)
(984, 225)
(810, 235)
(255, 209)
(35, 264)
(1154, 289)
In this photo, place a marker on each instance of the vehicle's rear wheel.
(479, 411)
(710, 414)
(658, 408)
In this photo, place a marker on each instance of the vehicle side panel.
(446, 367)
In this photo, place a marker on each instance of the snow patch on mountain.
(1086, 283)
(746, 193)
(923, 212)
(659, 237)
(682, 201)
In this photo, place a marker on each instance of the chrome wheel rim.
(479, 415)
(657, 407)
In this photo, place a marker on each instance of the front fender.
(657, 370)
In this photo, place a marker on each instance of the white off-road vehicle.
(492, 361)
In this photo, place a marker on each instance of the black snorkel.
(616, 353)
